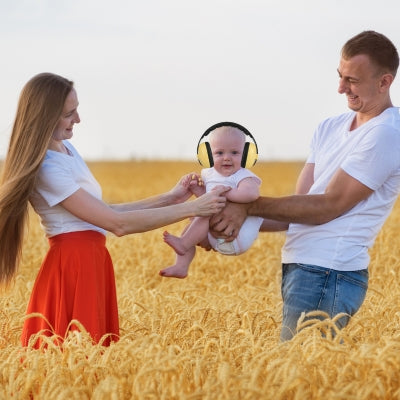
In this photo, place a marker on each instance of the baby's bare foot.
(174, 272)
(175, 242)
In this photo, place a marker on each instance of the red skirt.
(75, 282)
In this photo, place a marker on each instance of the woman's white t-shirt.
(60, 176)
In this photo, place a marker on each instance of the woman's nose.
(77, 118)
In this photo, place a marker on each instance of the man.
(344, 193)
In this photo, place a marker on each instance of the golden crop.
(213, 335)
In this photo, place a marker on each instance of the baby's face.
(227, 145)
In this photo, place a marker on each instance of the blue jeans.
(307, 288)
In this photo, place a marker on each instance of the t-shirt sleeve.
(375, 158)
(205, 174)
(245, 173)
(311, 155)
(55, 181)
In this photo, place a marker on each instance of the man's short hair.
(377, 47)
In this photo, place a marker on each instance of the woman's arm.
(181, 192)
(90, 209)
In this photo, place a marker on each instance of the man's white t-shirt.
(61, 175)
(370, 154)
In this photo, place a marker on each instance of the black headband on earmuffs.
(250, 150)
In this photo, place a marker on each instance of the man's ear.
(386, 81)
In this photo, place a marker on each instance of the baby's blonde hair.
(226, 130)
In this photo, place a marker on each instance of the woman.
(76, 279)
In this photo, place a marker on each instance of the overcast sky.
(153, 75)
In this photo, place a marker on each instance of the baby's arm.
(248, 190)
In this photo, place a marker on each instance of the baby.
(227, 144)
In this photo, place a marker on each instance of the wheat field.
(213, 335)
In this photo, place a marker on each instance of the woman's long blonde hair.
(39, 109)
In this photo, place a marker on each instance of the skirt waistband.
(78, 235)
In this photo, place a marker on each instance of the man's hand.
(227, 223)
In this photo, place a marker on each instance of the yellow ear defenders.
(250, 150)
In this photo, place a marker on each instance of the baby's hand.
(182, 190)
(196, 185)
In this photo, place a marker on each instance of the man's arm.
(303, 185)
(228, 222)
(342, 194)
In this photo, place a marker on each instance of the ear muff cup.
(250, 155)
(250, 150)
(204, 155)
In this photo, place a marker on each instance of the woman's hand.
(212, 202)
(183, 190)
(227, 223)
